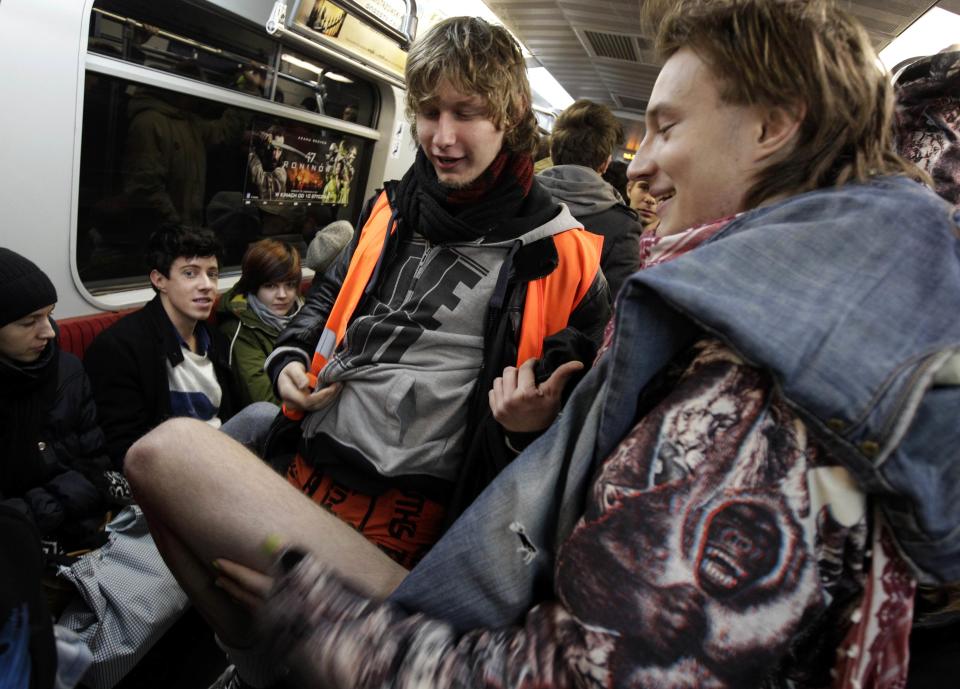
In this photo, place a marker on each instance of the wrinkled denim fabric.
(849, 297)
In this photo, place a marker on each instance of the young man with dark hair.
(746, 487)
(163, 361)
(581, 146)
(442, 340)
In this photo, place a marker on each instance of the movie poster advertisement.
(290, 164)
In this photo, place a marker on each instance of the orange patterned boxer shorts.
(404, 524)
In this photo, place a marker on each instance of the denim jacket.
(849, 297)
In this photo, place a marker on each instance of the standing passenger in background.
(253, 313)
(581, 146)
(616, 176)
(644, 203)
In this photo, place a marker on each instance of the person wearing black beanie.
(27, 298)
(50, 452)
(52, 460)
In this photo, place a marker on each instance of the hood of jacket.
(234, 306)
(583, 190)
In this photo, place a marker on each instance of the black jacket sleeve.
(118, 394)
(71, 499)
(298, 340)
(623, 260)
(75, 431)
(592, 313)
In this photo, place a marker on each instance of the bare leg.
(207, 497)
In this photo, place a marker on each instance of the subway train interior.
(238, 89)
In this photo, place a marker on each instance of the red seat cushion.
(77, 333)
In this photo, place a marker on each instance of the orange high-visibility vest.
(549, 302)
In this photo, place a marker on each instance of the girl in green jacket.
(253, 313)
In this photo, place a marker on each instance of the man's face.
(25, 339)
(698, 154)
(642, 201)
(457, 136)
(189, 292)
(275, 149)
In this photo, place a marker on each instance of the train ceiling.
(596, 50)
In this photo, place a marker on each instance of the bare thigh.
(221, 501)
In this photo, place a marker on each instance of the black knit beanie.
(24, 288)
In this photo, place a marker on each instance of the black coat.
(60, 484)
(21, 596)
(621, 230)
(127, 366)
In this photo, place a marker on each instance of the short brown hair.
(585, 134)
(268, 260)
(789, 53)
(475, 57)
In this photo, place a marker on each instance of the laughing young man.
(162, 361)
(467, 292)
(745, 488)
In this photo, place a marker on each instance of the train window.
(310, 84)
(187, 40)
(152, 155)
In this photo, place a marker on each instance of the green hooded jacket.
(251, 341)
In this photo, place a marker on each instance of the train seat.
(77, 333)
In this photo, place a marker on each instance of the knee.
(155, 451)
(260, 411)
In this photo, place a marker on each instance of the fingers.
(519, 383)
(293, 385)
(246, 586)
(558, 379)
(509, 378)
(520, 405)
(322, 397)
(252, 580)
(526, 380)
(238, 594)
(296, 373)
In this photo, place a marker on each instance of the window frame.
(148, 76)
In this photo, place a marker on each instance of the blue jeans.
(249, 426)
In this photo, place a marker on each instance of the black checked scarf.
(443, 214)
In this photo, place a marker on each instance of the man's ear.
(779, 128)
(158, 280)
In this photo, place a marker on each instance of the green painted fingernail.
(272, 544)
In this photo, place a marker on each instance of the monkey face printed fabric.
(720, 546)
